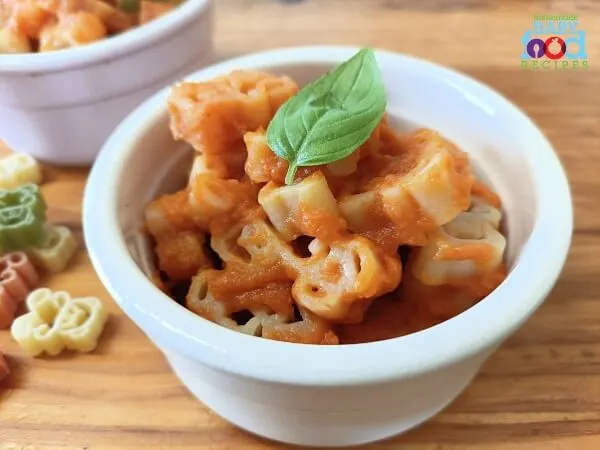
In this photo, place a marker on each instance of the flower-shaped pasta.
(18, 169)
(17, 278)
(57, 322)
(55, 252)
(22, 218)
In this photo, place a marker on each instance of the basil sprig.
(331, 117)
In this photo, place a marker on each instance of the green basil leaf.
(331, 117)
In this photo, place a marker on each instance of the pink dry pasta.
(18, 278)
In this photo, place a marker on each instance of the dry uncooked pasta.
(57, 322)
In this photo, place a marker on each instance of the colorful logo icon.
(554, 42)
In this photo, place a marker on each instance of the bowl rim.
(175, 328)
(106, 49)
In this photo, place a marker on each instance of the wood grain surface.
(541, 390)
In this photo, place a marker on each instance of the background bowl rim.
(105, 49)
(532, 277)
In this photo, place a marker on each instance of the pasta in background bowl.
(344, 394)
(60, 106)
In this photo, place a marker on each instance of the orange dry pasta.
(322, 260)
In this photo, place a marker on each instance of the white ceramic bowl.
(61, 106)
(339, 395)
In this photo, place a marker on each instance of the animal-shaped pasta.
(56, 322)
(4, 369)
(337, 276)
(18, 169)
(305, 208)
(201, 300)
(22, 218)
(56, 251)
(17, 278)
(334, 276)
(267, 319)
(466, 247)
(213, 116)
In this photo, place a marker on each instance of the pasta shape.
(56, 322)
(179, 242)
(310, 329)
(213, 198)
(305, 208)
(169, 213)
(4, 369)
(71, 30)
(11, 41)
(201, 300)
(17, 278)
(421, 182)
(440, 183)
(319, 261)
(463, 248)
(337, 276)
(27, 17)
(262, 165)
(213, 116)
(265, 320)
(56, 251)
(181, 255)
(19, 169)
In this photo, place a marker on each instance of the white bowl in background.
(61, 106)
(349, 394)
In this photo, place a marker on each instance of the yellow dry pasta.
(18, 169)
(56, 322)
(56, 251)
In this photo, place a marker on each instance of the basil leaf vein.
(331, 117)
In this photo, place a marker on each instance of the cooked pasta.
(28, 26)
(318, 260)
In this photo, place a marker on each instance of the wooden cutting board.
(541, 390)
